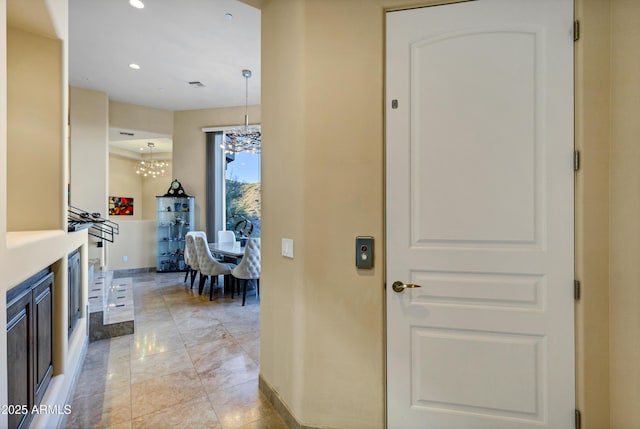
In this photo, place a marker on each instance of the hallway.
(190, 363)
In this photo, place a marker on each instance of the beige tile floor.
(191, 363)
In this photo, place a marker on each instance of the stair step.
(110, 306)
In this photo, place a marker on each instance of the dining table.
(231, 252)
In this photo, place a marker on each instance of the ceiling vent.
(197, 84)
(124, 133)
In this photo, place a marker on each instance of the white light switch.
(287, 248)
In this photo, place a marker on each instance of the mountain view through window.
(242, 188)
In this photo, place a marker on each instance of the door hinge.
(576, 160)
(576, 290)
(578, 419)
(576, 30)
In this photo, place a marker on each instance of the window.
(242, 194)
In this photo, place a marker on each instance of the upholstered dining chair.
(191, 254)
(226, 237)
(249, 267)
(209, 266)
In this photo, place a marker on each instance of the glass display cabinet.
(175, 216)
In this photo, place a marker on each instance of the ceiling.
(174, 43)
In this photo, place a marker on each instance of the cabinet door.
(19, 358)
(43, 348)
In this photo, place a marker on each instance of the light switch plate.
(287, 248)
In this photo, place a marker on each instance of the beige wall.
(124, 182)
(189, 148)
(283, 334)
(625, 214)
(89, 156)
(35, 135)
(592, 212)
(89, 149)
(152, 188)
(137, 241)
(140, 118)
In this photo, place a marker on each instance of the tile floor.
(191, 363)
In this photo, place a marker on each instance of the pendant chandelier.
(246, 139)
(151, 168)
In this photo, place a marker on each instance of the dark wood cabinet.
(29, 345)
(19, 351)
(74, 289)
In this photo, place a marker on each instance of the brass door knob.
(400, 287)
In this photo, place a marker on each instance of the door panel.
(501, 189)
(479, 181)
(440, 365)
(44, 319)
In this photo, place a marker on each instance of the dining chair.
(191, 255)
(209, 266)
(226, 237)
(249, 267)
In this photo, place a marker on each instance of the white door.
(479, 206)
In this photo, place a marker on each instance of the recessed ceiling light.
(136, 3)
(228, 16)
(134, 66)
(141, 148)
